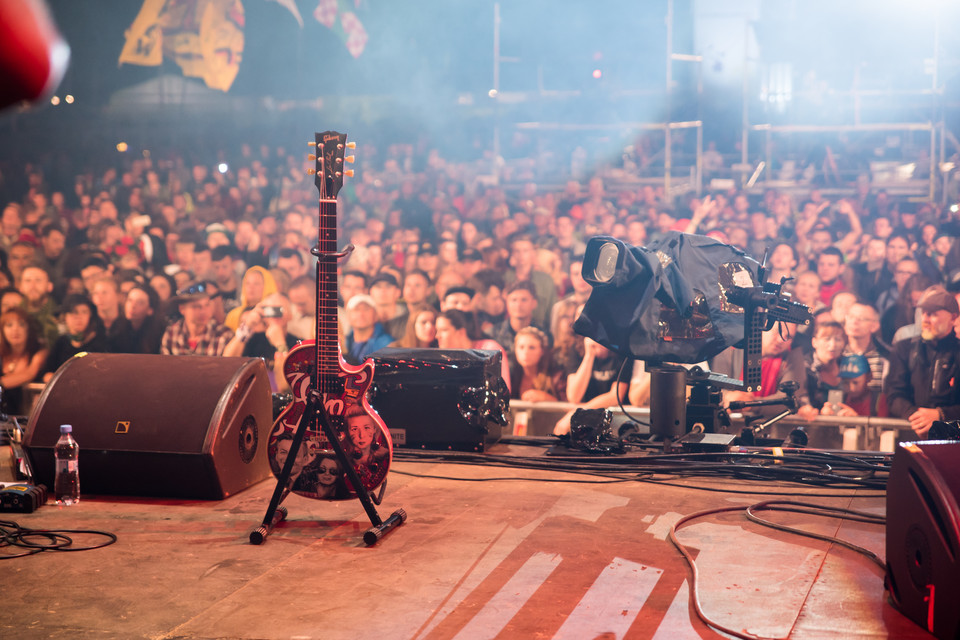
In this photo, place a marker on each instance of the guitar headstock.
(329, 159)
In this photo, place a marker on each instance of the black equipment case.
(441, 399)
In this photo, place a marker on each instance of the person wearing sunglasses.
(197, 332)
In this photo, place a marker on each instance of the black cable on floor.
(818, 510)
(809, 468)
(36, 540)
(769, 505)
(427, 476)
(712, 489)
(749, 492)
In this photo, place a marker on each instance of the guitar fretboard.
(327, 323)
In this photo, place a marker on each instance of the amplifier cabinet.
(441, 399)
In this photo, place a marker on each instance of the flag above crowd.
(206, 37)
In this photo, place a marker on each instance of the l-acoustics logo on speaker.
(123, 426)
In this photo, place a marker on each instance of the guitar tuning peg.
(350, 159)
(311, 171)
(312, 143)
(311, 157)
(348, 173)
(351, 145)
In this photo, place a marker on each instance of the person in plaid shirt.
(198, 333)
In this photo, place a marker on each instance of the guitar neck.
(327, 320)
(329, 174)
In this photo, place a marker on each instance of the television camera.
(680, 301)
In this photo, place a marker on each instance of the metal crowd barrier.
(823, 432)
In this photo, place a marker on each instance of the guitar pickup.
(335, 386)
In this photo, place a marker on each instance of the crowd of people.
(160, 255)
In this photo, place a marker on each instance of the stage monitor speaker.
(441, 399)
(152, 425)
(923, 535)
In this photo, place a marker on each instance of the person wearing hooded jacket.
(257, 284)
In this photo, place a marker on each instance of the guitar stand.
(276, 513)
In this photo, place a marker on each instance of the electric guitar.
(318, 365)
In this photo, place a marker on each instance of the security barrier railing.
(825, 432)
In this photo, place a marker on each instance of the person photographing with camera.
(262, 333)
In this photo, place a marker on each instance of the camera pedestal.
(668, 401)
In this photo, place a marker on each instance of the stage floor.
(500, 553)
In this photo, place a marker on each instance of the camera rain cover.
(668, 302)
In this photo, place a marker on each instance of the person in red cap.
(924, 380)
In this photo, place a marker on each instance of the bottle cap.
(66, 428)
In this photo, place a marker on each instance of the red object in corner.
(33, 54)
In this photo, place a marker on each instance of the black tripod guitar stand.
(276, 513)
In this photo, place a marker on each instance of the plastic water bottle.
(66, 485)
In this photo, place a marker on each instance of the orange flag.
(204, 37)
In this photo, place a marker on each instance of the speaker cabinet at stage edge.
(159, 426)
(923, 535)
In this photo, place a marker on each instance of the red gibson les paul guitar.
(319, 365)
